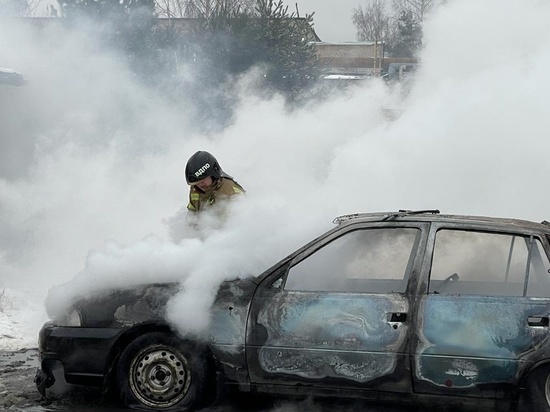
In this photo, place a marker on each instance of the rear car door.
(338, 314)
(484, 313)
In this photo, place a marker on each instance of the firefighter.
(208, 182)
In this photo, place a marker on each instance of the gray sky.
(332, 19)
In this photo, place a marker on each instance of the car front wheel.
(158, 371)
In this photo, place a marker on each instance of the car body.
(408, 306)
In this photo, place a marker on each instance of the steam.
(97, 198)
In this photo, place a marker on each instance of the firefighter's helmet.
(202, 164)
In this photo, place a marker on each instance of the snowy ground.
(22, 314)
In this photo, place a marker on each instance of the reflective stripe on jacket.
(222, 189)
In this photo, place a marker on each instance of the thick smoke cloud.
(98, 192)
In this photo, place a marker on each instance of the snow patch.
(21, 316)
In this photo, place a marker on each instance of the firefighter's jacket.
(223, 188)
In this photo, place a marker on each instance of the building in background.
(356, 59)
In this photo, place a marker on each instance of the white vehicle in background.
(398, 72)
(11, 77)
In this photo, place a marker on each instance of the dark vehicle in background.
(11, 77)
(409, 306)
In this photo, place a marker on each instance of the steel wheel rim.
(159, 376)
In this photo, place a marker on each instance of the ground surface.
(18, 393)
(17, 389)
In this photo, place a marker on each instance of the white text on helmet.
(202, 169)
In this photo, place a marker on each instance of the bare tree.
(200, 8)
(20, 8)
(418, 8)
(373, 23)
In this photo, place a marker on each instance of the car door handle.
(397, 317)
(538, 321)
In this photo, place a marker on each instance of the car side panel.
(321, 339)
(474, 342)
(318, 338)
(227, 329)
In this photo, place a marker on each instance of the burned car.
(410, 305)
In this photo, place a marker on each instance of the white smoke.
(102, 191)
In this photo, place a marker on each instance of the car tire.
(160, 372)
(538, 390)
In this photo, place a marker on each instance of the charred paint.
(125, 308)
(335, 335)
(227, 331)
(467, 341)
(229, 314)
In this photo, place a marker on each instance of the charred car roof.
(434, 215)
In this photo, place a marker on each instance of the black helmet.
(202, 164)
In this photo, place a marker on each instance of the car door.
(339, 312)
(483, 316)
